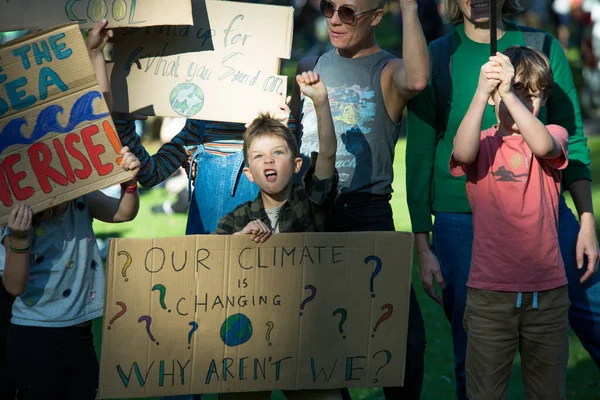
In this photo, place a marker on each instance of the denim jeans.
(220, 187)
(360, 212)
(452, 243)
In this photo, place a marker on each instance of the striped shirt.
(221, 138)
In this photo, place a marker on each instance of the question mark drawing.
(163, 291)
(376, 272)
(309, 298)
(119, 314)
(387, 361)
(194, 326)
(148, 320)
(386, 315)
(342, 320)
(127, 263)
(270, 326)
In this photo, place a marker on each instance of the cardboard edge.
(43, 32)
(112, 244)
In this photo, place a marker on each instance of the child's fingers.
(97, 29)
(29, 218)
(13, 214)
(20, 217)
(124, 150)
(135, 166)
(306, 77)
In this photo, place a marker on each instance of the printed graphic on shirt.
(518, 169)
(353, 112)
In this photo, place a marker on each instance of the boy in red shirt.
(517, 294)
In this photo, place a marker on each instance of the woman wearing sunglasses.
(432, 126)
(368, 90)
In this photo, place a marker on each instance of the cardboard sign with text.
(57, 141)
(42, 14)
(224, 68)
(208, 314)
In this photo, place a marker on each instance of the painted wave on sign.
(47, 121)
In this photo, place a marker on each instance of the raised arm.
(96, 40)
(313, 87)
(466, 142)
(411, 73)
(124, 209)
(534, 132)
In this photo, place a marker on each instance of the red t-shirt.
(514, 197)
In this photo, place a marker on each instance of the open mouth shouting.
(270, 175)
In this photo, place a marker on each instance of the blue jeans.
(220, 187)
(452, 243)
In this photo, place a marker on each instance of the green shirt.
(430, 187)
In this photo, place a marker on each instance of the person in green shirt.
(432, 190)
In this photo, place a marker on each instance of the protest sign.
(224, 68)
(42, 14)
(57, 141)
(208, 314)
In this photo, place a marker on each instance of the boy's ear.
(491, 101)
(248, 174)
(297, 165)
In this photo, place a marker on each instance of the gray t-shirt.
(66, 276)
(365, 133)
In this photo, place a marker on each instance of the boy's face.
(533, 100)
(271, 165)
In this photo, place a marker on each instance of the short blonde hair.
(453, 15)
(532, 69)
(266, 125)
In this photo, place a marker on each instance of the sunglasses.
(346, 14)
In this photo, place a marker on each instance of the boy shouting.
(272, 158)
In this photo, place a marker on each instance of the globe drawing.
(236, 330)
(186, 99)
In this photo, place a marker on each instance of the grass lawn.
(583, 379)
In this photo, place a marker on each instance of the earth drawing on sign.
(236, 330)
(187, 99)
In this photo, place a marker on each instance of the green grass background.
(583, 377)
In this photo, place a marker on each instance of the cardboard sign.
(57, 141)
(208, 314)
(224, 68)
(42, 14)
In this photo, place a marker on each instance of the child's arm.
(18, 248)
(109, 209)
(466, 142)
(96, 40)
(534, 132)
(312, 86)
